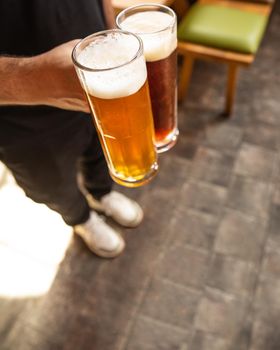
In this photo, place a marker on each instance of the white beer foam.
(148, 25)
(109, 52)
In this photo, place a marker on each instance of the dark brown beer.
(156, 26)
(162, 77)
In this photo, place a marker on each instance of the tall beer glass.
(157, 27)
(112, 71)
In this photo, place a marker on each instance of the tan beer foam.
(109, 52)
(148, 25)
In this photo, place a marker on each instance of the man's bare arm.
(46, 79)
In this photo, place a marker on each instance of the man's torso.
(32, 27)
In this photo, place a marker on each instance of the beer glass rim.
(145, 5)
(100, 33)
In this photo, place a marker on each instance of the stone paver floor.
(203, 270)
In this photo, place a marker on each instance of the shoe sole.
(102, 253)
(108, 255)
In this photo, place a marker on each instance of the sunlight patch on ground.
(33, 242)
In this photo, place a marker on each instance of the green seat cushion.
(223, 27)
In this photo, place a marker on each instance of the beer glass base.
(132, 182)
(171, 141)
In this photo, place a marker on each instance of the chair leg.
(231, 87)
(185, 76)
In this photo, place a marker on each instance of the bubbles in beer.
(109, 51)
(150, 25)
(117, 51)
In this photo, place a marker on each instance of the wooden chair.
(234, 58)
(179, 6)
(120, 5)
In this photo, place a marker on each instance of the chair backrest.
(255, 5)
(120, 5)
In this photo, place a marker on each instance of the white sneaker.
(123, 210)
(100, 238)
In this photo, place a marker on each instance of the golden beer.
(119, 100)
(126, 137)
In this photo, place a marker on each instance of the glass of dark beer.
(156, 25)
(112, 71)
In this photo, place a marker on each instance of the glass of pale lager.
(157, 27)
(112, 71)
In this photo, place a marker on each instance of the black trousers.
(45, 166)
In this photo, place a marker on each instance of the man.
(46, 134)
